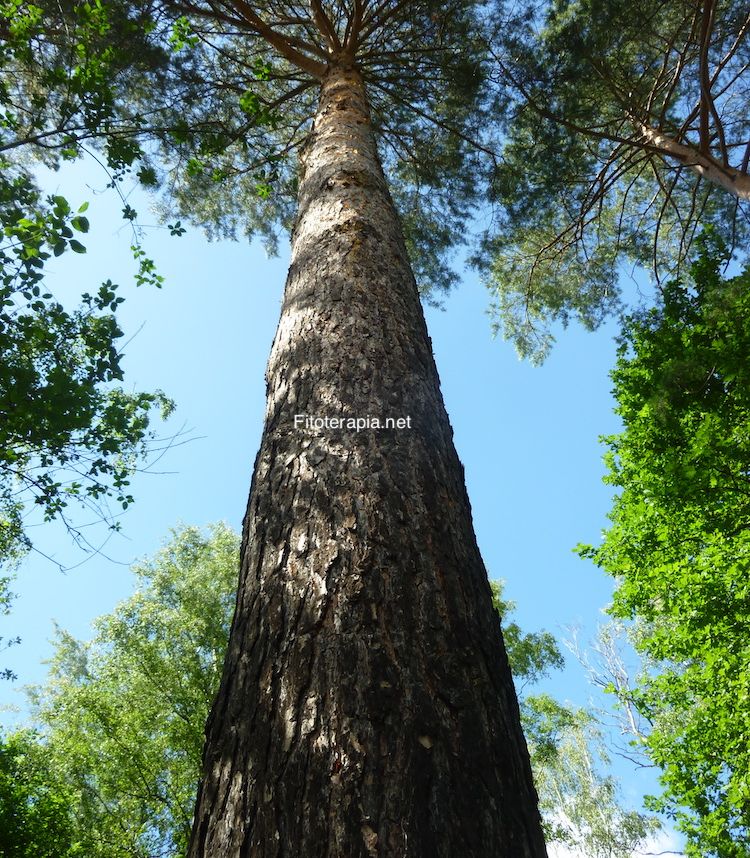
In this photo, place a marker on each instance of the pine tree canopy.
(599, 132)
(213, 102)
(627, 131)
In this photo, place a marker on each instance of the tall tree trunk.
(367, 707)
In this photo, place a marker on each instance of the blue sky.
(528, 437)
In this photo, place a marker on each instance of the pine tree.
(627, 134)
(366, 706)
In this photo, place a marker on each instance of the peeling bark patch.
(371, 840)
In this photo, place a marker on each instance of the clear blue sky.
(528, 437)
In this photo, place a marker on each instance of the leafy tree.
(627, 131)
(678, 543)
(64, 69)
(67, 431)
(35, 805)
(6, 599)
(581, 801)
(123, 716)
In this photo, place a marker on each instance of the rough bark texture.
(367, 707)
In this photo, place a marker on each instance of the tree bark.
(366, 708)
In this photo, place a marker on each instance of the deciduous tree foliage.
(580, 800)
(579, 796)
(123, 715)
(68, 432)
(36, 805)
(627, 130)
(678, 544)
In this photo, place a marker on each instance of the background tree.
(36, 806)
(627, 131)
(123, 716)
(67, 433)
(677, 546)
(580, 800)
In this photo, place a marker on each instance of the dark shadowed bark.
(367, 707)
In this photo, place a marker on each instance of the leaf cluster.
(67, 430)
(35, 805)
(678, 545)
(64, 69)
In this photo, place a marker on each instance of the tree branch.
(706, 19)
(323, 23)
(707, 167)
(354, 28)
(283, 44)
